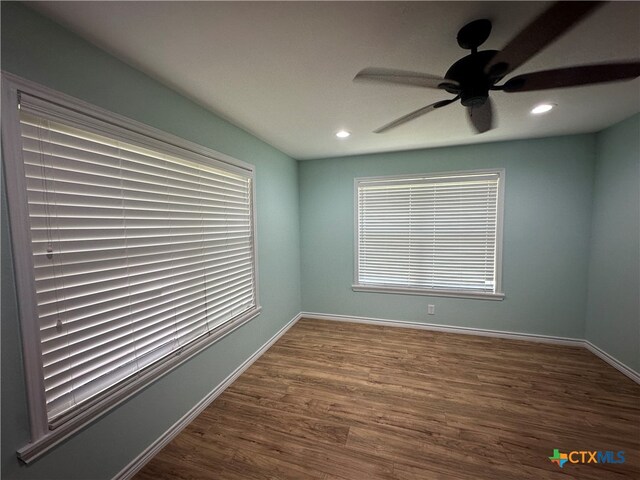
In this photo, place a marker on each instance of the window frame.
(43, 438)
(498, 294)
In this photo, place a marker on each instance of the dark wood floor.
(345, 401)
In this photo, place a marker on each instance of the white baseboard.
(530, 337)
(614, 362)
(137, 463)
(140, 461)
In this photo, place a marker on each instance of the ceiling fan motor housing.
(471, 78)
(474, 83)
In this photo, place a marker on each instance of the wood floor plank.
(347, 401)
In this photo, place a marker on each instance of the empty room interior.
(320, 240)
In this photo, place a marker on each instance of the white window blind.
(138, 252)
(437, 234)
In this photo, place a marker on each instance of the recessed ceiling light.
(542, 108)
(342, 134)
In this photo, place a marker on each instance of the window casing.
(133, 250)
(437, 234)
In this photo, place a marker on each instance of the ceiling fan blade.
(402, 77)
(573, 76)
(414, 114)
(481, 116)
(546, 28)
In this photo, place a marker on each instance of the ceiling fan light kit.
(472, 77)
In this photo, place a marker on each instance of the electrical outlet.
(431, 310)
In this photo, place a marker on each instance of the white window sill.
(425, 292)
(54, 437)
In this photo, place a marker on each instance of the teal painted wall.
(39, 50)
(548, 191)
(613, 311)
(305, 242)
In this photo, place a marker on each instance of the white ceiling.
(283, 70)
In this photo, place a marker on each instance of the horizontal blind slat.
(136, 253)
(436, 233)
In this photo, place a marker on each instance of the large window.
(430, 234)
(132, 250)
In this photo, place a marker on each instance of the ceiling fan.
(472, 77)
